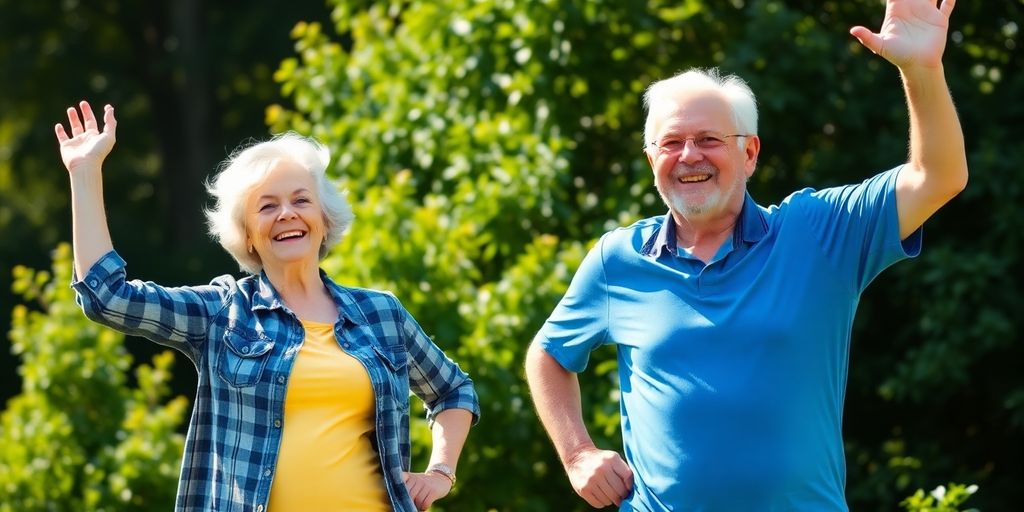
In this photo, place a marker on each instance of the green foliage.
(189, 81)
(79, 437)
(487, 143)
(940, 499)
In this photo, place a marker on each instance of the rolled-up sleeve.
(433, 376)
(175, 317)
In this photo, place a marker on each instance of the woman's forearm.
(451, 427)
(90, 235)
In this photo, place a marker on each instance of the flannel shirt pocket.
(243, 357)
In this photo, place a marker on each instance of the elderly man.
(732, 321)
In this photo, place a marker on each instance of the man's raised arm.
(913, 38)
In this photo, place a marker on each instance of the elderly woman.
(303, 383)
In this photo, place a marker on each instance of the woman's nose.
(286, 213)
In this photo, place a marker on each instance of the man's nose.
(690, 152)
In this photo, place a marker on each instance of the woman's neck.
(303, 292)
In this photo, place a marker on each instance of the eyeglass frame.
(696, 144)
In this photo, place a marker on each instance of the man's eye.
(709, 142)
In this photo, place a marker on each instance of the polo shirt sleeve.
(579, 323)
(858, 227)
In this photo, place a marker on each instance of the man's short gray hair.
(246, 167)
(733, 88)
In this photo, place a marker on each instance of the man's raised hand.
(913, 33)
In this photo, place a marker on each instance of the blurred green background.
(485, 145)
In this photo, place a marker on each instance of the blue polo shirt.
(733, 374)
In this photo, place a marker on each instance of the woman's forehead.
(283, 177)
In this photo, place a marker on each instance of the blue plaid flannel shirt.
(243, 341)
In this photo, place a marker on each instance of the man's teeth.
(694, 178)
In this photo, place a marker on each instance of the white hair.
(733, 89)
(246, 167)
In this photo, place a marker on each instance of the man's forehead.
(704, 114)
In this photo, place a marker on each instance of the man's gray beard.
(679, 206)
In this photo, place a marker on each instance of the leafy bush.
(79, 437)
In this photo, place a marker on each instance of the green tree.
(79, 437)
(189, 79)
(487, 143)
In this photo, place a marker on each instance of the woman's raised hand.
(87, 146)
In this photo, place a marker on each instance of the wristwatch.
(442, 469)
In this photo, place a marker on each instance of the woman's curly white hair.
(245, 168)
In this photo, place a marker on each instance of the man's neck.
(703, 238)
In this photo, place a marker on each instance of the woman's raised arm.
(83, 154)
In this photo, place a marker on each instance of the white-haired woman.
(303, 384)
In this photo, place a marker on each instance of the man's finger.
(625, 473)
(614, 487)
(593, 500)
(946, 7)
(604, 491)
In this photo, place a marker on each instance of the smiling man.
(732, 321)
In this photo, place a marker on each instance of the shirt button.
(280, 380)
(277, 423)
(267, 472)
(93, 283)
(346, 344)
(259, 508)
(245, 350)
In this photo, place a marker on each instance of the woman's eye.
(266, 207)
(302, 200)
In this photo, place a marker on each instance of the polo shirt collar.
(751, 227)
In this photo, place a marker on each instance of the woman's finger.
(109, 121)
(88, 118)
(62, 136)
(419, 495)
(429, 499)
(74, 122)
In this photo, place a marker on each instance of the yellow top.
(326, 460)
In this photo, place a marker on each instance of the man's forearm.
(937, 165)
(556, 395)
(936, 139)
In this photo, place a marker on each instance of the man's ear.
(753, 148)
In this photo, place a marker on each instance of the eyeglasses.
(707, 141)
